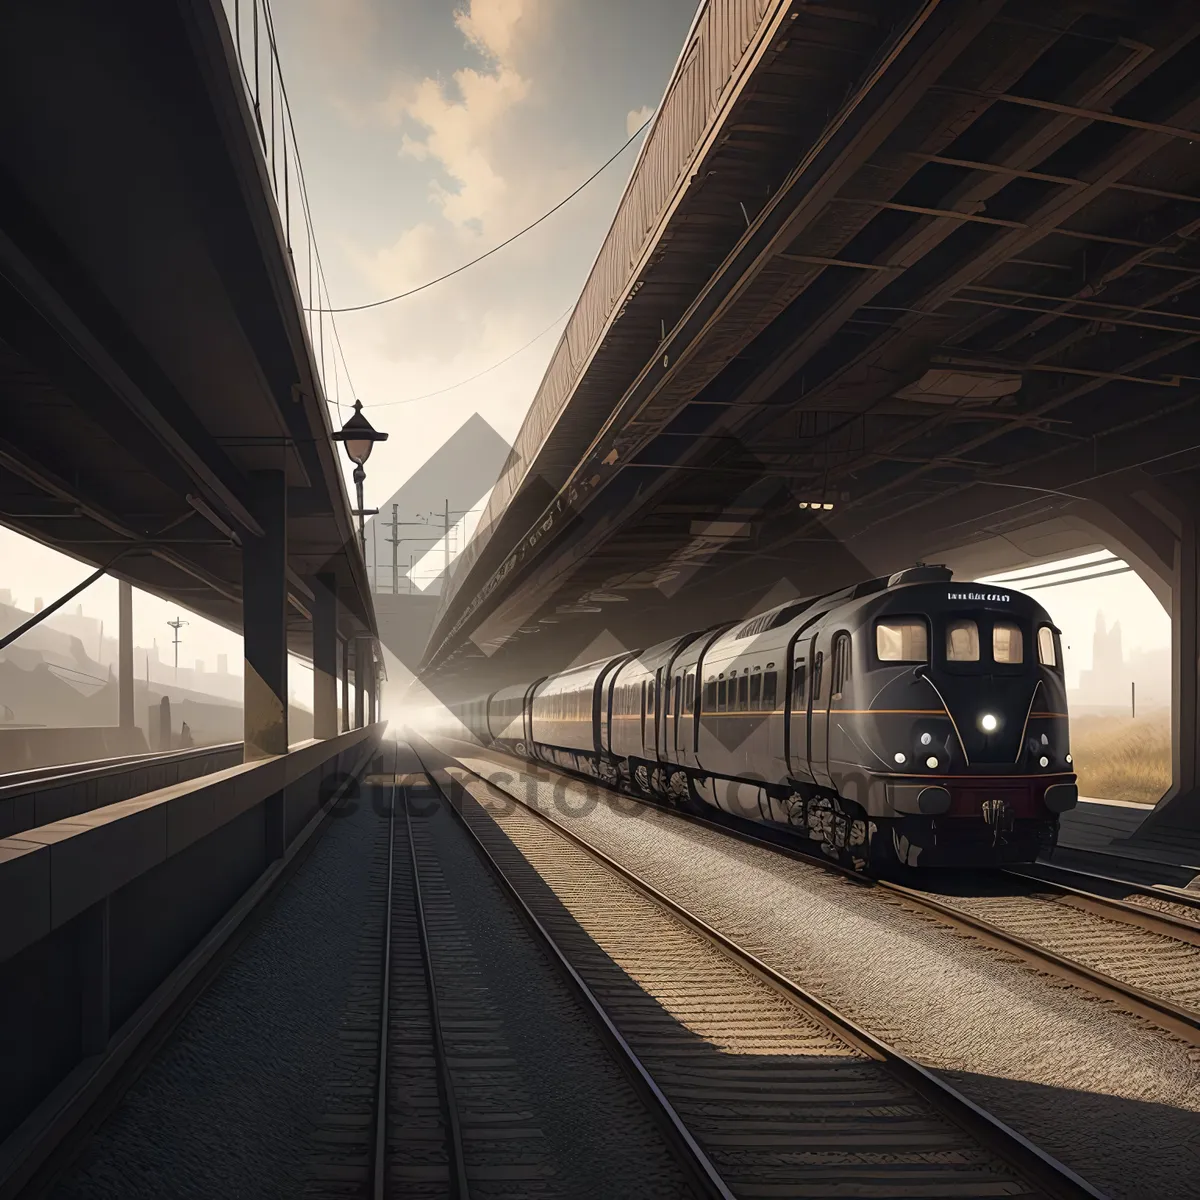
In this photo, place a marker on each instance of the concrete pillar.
(360, 680)
(264, 621)
(372, 688)
(1179, 809)
(164, 724)
(324, 633)
(345, 685)
(124, 654)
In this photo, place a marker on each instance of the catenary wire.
(477, 375)
(507, 242)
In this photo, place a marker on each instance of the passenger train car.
(907, 720)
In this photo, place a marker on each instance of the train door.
(654, 702)
(818, 712)
(527, 711)
(685, 730)
(796, 703)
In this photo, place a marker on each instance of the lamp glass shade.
(358, 436)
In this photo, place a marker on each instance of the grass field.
(1117, 758)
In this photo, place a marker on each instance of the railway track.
(452, 1117)
(763, 1087)
(1145, 960)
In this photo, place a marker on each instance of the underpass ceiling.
(152, 345)
(1022, 206)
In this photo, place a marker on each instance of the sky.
(430, 131)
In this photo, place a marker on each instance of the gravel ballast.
(1107, 1093)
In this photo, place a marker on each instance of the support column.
(264, 621)
(324, 632)
(1179, 809)
(124, 655)
(360, 680)
(372, 687)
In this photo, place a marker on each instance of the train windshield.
(982, 643)
(902, 640)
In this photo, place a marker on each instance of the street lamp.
(359, 436)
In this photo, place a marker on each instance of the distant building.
(222, 664)
(1113, 680)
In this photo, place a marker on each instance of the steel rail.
(1158, 891)
(1176, 1019)
(689, 1153)
(1029, 1160)
(379, 1150)
(459, 1183)
(1152, 920)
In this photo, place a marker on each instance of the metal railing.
(252, 29)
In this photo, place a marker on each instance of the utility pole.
(1132, 699)
(446, 571)
(177, 625)
(395, 550)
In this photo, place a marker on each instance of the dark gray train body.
(911, 720)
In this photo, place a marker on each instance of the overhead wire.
(479, 374)
(507, 242)
(314, 249)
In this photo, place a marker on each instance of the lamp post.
(359, 437)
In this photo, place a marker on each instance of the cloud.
(491, 25)
(459, 135)
(637, 117)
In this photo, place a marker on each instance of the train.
(904, 722)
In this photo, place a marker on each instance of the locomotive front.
(961, 711)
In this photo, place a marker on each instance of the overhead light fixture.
(823, 505)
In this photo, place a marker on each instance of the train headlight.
(926, 739)
(900, 758)
(931, 762)
(989, 723)
(1043, 761)
(1069, 760)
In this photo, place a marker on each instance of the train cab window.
(710, 695)
(1008, 644)
(743, 692)
(962, 641)
(1047, 655)
(841, 665)
(770, 695)
(756, 689)
(902, 639)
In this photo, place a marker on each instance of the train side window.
(1046, 652)
(710, 695)
(1008, 644)
(818, 663)
(722, 687)
(770, 695)
(962, 641)
(689, 693)
(841, 665)
(799, 675)
(743, 691)
(756, 689)
(902, 639)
